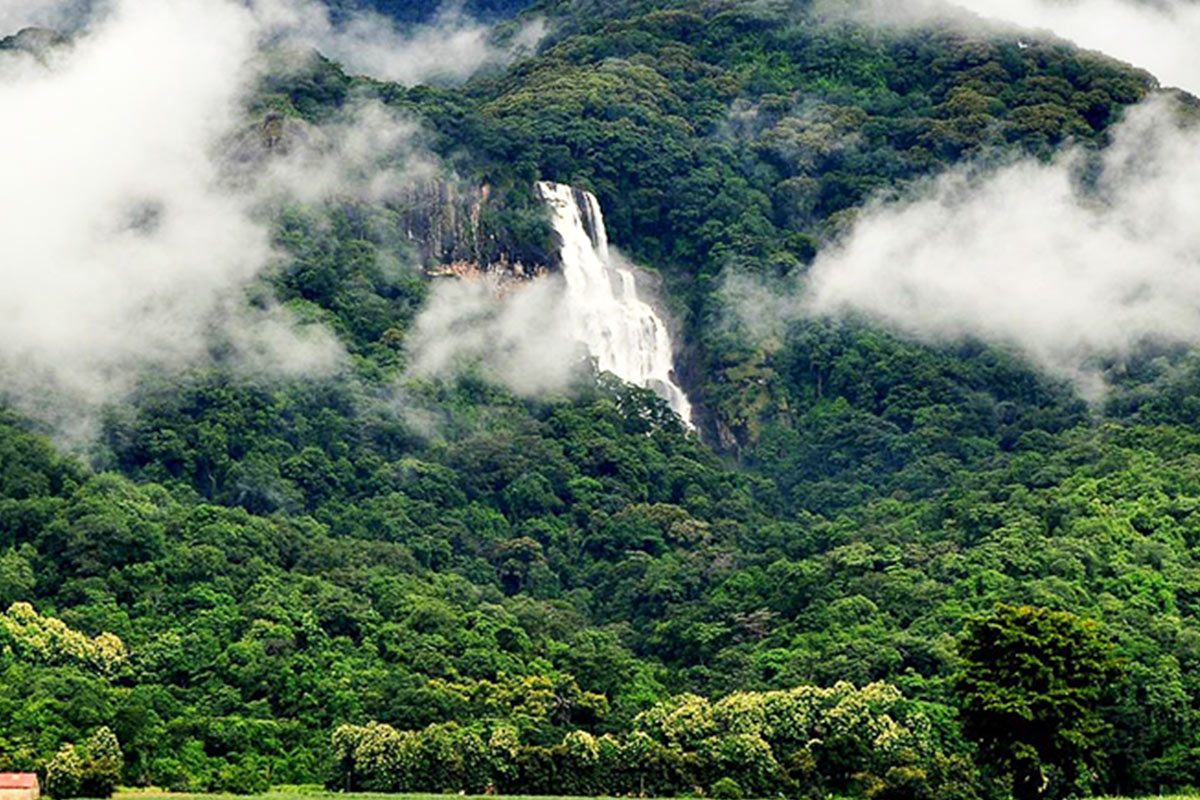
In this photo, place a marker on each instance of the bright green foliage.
(102, 764)
(64, 774)
(571, 592)
(806, 740)
(726, 789)
(27, 636)
(92, 771)
(1031, 687)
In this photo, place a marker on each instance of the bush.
(64, 773)
(92, 771)
(245, 776)
(102, 764)
(727, 789)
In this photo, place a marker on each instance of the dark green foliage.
(1031, 688)
(409, 11)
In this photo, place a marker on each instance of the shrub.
(102, 764)
(64, 773)
(727, 789)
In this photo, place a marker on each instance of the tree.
(102, 764)
(64, 773)
(1030, 691)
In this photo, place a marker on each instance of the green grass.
(310, 792)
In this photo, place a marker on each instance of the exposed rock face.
(443, 222)
(503, 275)
(272, 134)
(441, 218)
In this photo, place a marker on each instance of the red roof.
(18, 780)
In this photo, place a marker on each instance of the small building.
(19, 786)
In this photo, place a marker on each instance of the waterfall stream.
(621, 331)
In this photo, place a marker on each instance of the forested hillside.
(378, 579)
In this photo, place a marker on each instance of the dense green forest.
(837, 586)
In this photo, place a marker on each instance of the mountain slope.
(280, 558)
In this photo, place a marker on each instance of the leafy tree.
(102, 764)
(64, 774)
(1032, 684)
(727, 789)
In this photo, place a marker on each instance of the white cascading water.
(621, 331)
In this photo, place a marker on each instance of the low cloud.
(129, 242)
(120, 247)
(369, 154)
(1026, 257)
(451, 47)
(521, 338)
(57, 14)
(1156, 35)
(1071, 275)
(897, 14)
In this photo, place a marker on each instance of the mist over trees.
(888, 566)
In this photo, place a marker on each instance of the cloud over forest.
(127, 242)
(1024, 255)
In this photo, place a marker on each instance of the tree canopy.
(882, 568)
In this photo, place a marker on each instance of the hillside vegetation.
(382, 582)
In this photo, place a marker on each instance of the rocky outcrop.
(503, 276)
(272, 134)
(443, 221)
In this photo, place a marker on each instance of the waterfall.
(620, 330)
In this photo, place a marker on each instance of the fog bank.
(1024, 256)
(129, 243)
